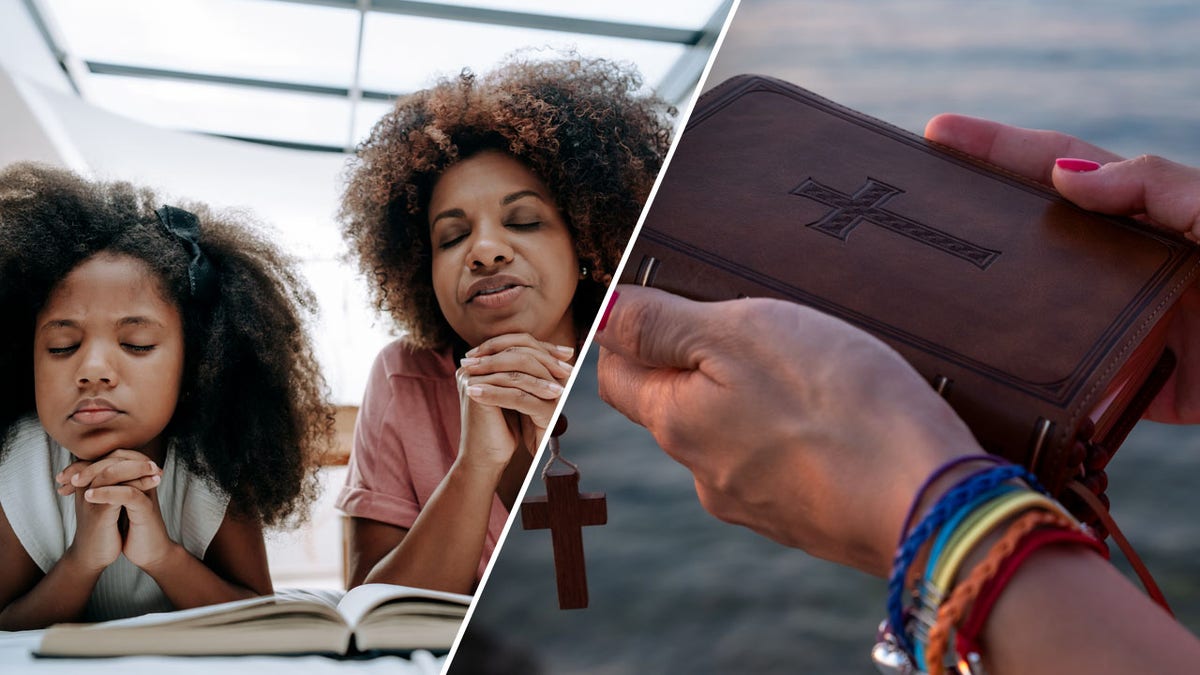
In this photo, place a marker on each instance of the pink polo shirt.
(405, 439)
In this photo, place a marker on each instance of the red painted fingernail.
(608, 308)
(1076, 165)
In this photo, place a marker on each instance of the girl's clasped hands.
(116, 510)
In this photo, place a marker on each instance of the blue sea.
(675, 591)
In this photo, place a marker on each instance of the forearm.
(61, 595)
(1068, 610)
(442, 548)
(188, 582)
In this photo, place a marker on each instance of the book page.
(320, 596)
(290, 623)
(198, 614)
(359, 602)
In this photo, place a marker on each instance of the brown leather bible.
(1040, 323)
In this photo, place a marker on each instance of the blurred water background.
(675, 591)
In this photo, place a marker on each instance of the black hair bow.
(185, 226)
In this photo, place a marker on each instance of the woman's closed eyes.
(451, 238)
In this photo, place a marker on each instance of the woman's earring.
(583, 272)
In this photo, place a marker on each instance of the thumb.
(1166, 192)
(652, 327)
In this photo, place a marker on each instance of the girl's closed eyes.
(523, 226)
(141, 349)
(125, 345)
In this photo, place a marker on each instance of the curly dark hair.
(578, 124)
(253, 413)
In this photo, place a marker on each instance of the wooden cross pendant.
(565, 511)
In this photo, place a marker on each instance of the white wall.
(22, 49)
(23, 134)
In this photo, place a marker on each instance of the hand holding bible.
(1156, 190)
(794, 423)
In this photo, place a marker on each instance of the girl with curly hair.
(162, 402)
(489, 214)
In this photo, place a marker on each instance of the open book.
(372, 617)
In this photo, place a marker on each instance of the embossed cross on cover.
(1035, 319)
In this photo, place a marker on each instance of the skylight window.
(443, 47)
(317, 74)
(257, 39)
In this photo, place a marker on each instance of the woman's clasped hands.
(509, 386)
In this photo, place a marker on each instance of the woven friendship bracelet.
(914, 576)
(967, 639)
(965, 539)
(952, 500)
(938, 473)
(964, 517)
(952, 611)
(918, 580)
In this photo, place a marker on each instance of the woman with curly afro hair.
(161, 402)
(488, 214)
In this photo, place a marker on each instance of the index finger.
(64, 476)
(122, 453)
(1028, 152)
(530, 360)
(113, 470)
(509, 340)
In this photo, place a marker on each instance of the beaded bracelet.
(951, 612)
(949, 503)
(967, 636)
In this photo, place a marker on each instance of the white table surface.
(16, 657)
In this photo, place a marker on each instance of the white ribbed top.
(45, 522)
